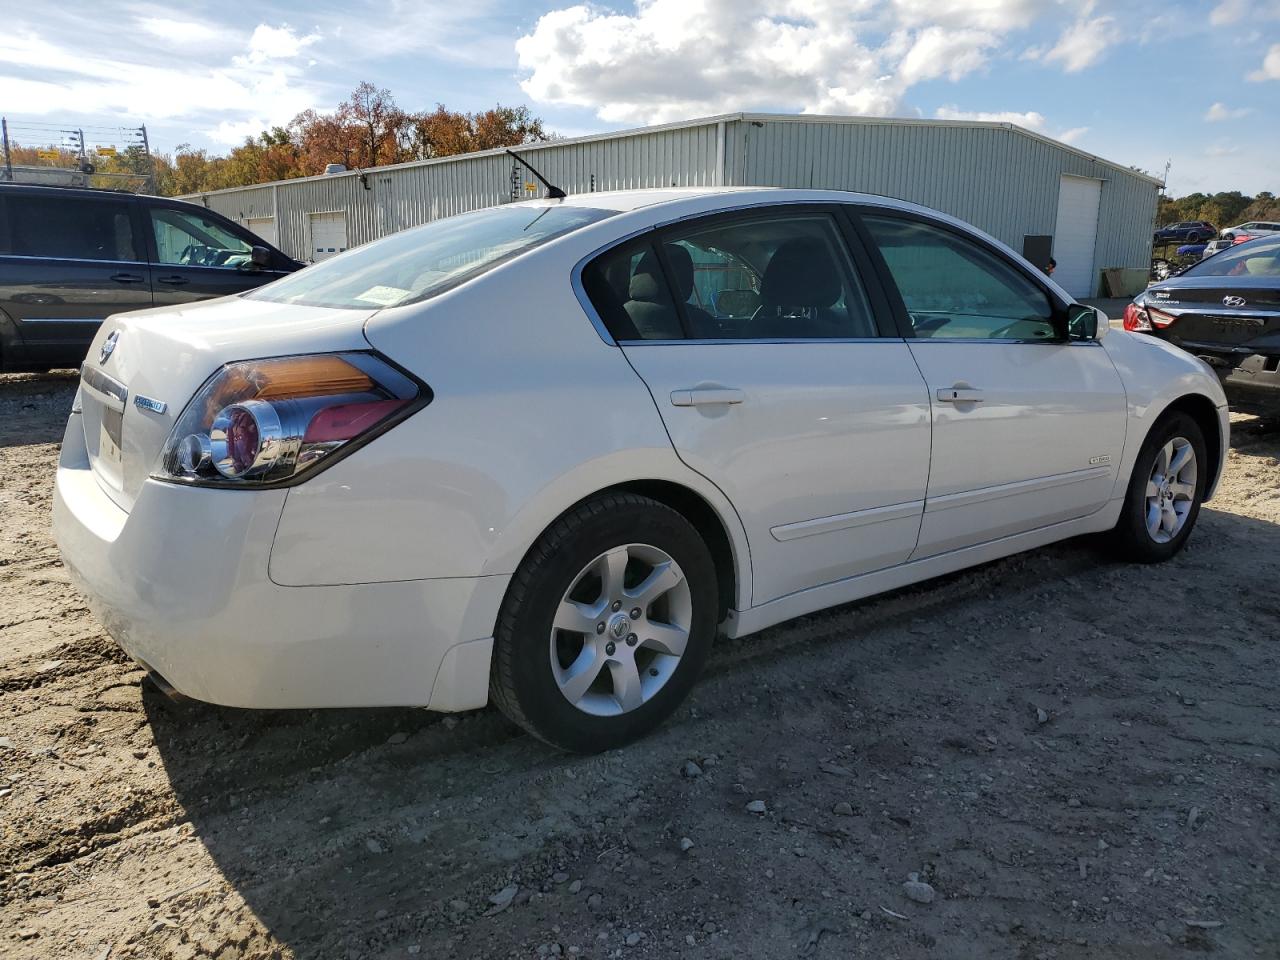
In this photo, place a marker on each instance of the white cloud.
(938, 52)
(1031, 120)
(1220, 111)
(1083, 43)
(671, 59)
(180, 32)
(1233, 11)
(276, 43)
(1270, 69)
(150, 84)
(1221, 150)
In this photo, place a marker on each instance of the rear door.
(761, 344)
(67, 261)
(1028, 426)
(198, 255)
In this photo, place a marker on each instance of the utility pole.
(8, 160)
(151, 164)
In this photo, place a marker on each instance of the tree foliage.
(1221, 209)
(368, 129)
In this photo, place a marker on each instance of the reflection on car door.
(786, 397)
(197, 256)
(1027, 428)
(66, 264)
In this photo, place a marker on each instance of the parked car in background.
(70, 257)
(1214, 246)
(1188, 231)
(542, 452)
(1225, 309)
(1254, 228)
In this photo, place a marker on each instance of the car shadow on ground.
(353, 831)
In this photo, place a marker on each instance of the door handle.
(126, 278)
(701, 396)
(959, 394)
(173, 281)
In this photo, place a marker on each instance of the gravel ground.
(1078, 758)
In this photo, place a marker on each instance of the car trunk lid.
(143, 368)
(1233, 313)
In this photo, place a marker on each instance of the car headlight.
(272, 422)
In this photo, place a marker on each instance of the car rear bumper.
(180, 582)
(1258, 372)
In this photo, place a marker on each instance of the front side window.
(414, 264)
(954, 289)
(192, 240)
(70, 228)
(1253, 258)
(757, 278)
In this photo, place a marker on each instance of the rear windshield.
(1254, 258)
(426, 260)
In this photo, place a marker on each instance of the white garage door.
(264, 227)
(1076, 234)
(328, 235)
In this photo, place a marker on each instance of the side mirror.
(260, 257)
(1084, 323)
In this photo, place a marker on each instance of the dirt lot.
(1081, 758)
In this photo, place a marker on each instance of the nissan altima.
(543, 454)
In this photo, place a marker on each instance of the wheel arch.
(704, 518)
(715, 520)
(1204, 412)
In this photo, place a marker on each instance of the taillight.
(1159, 318)
(1135, 318)
(270, 421)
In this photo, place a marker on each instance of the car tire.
(1161, 505)
(1193, 237)
(620, 676)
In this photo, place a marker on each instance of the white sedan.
(541, 454)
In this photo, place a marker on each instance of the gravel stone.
(918, 891)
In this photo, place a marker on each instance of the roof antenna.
(553, 192)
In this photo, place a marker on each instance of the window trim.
(899, 308)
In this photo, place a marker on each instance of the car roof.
(625, 201)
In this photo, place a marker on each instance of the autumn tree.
(368, 129)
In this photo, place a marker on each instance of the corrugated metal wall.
(994, 177)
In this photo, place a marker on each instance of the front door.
(66, 264)
(198, 257)
(1028, 427)
(760, 345)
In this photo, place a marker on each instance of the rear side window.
(768, 277)
(629, 290)
(954, 289)
(69, 228)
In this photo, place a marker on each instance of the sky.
(1191, 82)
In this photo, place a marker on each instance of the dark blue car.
(1188, 231)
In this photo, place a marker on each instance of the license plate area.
(102, 403)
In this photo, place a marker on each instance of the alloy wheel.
(620, 629)
(1171, 489)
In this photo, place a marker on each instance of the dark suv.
(1188, 231)
(69, 258)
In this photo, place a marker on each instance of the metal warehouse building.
(1034, 193)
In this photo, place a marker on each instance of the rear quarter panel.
(532, 412)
